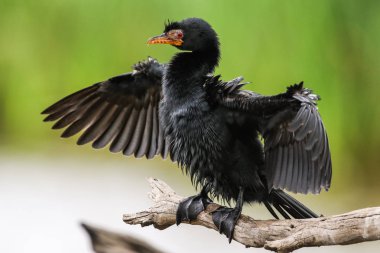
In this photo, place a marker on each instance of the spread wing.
(121, 111)
(297, 154)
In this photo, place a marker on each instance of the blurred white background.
(44, 197)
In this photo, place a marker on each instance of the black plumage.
(211, 128)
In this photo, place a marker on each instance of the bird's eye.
(179, 34)
(175, 34)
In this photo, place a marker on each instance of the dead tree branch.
(276, 235)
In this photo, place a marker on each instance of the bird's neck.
(187, 70)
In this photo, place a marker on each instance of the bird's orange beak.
(164, 39)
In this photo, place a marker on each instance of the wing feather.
(76, 113)
(135, 133)
(147, 134)
(154, 137)
(90, 114)
(289, 166)
(124, 136)
(69, 100)
(115, 125)
(283, 171)
(297, 156)
(276, 158)
(121, 112)
(98, 126)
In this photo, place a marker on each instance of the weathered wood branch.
(276, 235)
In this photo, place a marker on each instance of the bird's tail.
(287, 206)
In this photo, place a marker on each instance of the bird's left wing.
(297, 154)
(122, 110)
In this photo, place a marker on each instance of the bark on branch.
(276, 235)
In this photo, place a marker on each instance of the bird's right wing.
(122, 111)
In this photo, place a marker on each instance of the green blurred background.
(49, 49)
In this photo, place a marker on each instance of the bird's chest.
(192, 131)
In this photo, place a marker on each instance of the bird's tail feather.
(287, 206)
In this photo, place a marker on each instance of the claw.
(225, 220)
(189, 208)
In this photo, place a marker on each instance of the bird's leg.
(189, 208)
(225, 218)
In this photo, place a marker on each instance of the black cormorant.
(211, 128)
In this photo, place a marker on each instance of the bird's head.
(192, 34)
